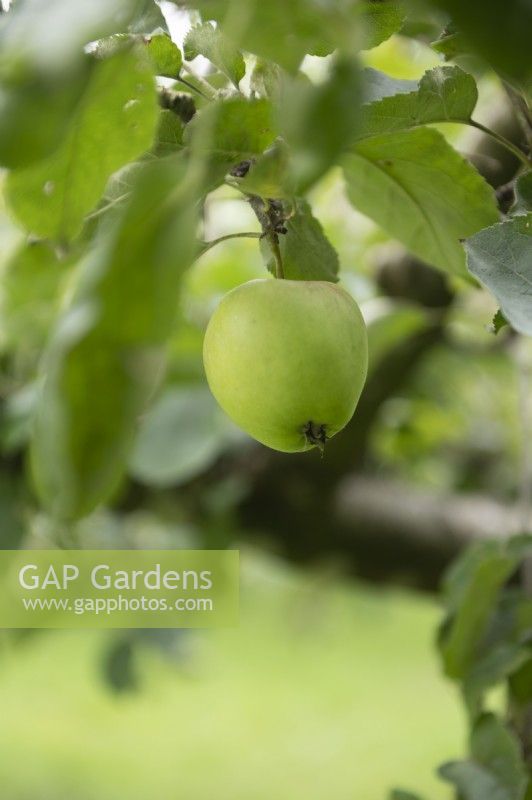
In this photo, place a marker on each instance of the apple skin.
(287, 360)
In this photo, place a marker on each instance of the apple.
(287, 360)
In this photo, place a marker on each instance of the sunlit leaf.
(501, 258)
(422, 192)
(114, 122)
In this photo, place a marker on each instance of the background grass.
(326, 690)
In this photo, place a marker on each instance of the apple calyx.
(315, 434)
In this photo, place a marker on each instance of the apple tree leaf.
(381, 19)
(105, 356)
(285, 32)
(227, 132)
(306, 252)
(501, 258)
(495, 770)
(471, 592)
(503, 39)
(180, 437)
(210, 42)
(165, 55)
(318, 122)
(444, 94)
(43, 71)
(422, 192)
(523, 191)
(114, 123)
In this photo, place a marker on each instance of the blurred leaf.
(318, 122)
(498, 322)
(501, 258)
(105, 358)
(268, 176)
(503, 39)
(444, 94)
(230, 131)
(165, 55)
(306, 252)
(114, 123)
(381, 19)
(387, 331)
(265, 79)
(35, 115)
(451, 44)
(422, 192)
(285, 32)
(495, 770)
(47, 38)
(471, 592)
(523, 191)
(147, 18)
(30, 297)
(169, 135)
(398, 794)
(180, 437)
(210, 42)
(12, 511)
(118, 664)
(499, 662)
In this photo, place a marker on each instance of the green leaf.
(399, 794)
(503, 39)
(35, 115)
(147, 18)
(47, 38)
(114, 123)
(471, 592)
(381, 19)
(495, 770)
(444, 94)
(523, 191)
(500, 661)
(180, 437)
(285, 32)
(29, 303)
(165, 55)
(230, 131)
(105, 357)
(501, 258)
(306, 252)
(208, 41)
(269, 175)
(318, 122)
(422, 192)
(386, 331)
(169, 135)
(498, 322)
(451, 44)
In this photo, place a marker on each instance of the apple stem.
(276, 250)
(270, 214)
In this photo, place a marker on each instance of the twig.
(503, 141)
(245, 235)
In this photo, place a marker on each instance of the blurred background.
(330, 687)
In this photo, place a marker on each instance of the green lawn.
(326, 691)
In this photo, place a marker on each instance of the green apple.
(287, 360)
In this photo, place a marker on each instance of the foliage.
(274, 138)
(116, 147)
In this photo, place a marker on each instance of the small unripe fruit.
(287, 360)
